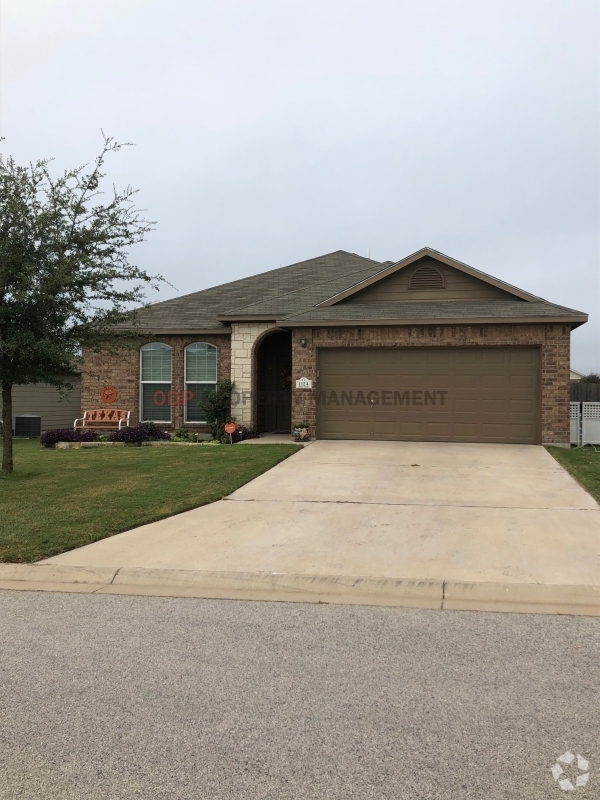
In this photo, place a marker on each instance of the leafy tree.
(65, 275)
(593, 377)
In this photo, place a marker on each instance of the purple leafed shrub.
(144, 432)
(154, 433)
(52, 437)
(243, 433)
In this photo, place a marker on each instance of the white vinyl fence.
(590, 423)
(584, 420)
(575, 423)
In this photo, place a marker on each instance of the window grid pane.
(194, 408)
(156, 362)
(155, 402)
(200, 362)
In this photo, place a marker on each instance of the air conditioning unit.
(27, 425)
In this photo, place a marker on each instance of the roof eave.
(574, 322)
(192, 330)
(247, 317)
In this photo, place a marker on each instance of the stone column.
(243, 338)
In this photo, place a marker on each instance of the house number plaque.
(303, 383)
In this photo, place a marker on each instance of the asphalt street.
(137, 697)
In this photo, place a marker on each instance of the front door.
(274, 373)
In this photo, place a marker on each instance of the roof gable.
(396, 279)
(428, 279)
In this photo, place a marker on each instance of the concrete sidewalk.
(499, 515)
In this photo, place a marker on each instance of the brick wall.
(553, 341)
(122, 370)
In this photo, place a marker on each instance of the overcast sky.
(270, 131)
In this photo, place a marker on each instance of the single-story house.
(575, 376)
(425, 348)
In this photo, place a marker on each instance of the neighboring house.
(425, 348)
(43, 400)
(575, 376)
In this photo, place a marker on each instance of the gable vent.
(426, 278)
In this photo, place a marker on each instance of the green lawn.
(60, 499)
(584, 465)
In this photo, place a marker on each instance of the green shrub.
(217, 408)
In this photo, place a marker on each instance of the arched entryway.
(274, 383)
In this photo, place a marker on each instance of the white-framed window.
(200, 378)
(156, 382)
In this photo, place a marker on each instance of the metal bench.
(103, 419)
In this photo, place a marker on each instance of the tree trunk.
(7, 437)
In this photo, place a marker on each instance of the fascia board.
(191, 331)
(575, 322)
(246, 317)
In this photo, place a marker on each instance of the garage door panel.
(354, 428)
(523, 432)
(438, 430)
(466, 380)
(491, 355)
(412, 357)
(465, 428)
(496, 406)
(526, 355)
(493, 429)
(524, 406)
(497, 381)
(463, 405)
(387, 430)
(408, 428)
(439, 380)
(436, 394)
(465, 355)
(524, 382)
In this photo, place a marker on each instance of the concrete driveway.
(437, 511)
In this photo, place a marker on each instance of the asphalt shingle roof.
(290, 295)
(270, 292)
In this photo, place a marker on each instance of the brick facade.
(553, 341)
(122, 370)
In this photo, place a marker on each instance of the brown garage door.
(453, 394)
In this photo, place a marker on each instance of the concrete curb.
(279, 586)
(53, 573)
(523, 598)
(286, 587)
(54, 577)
